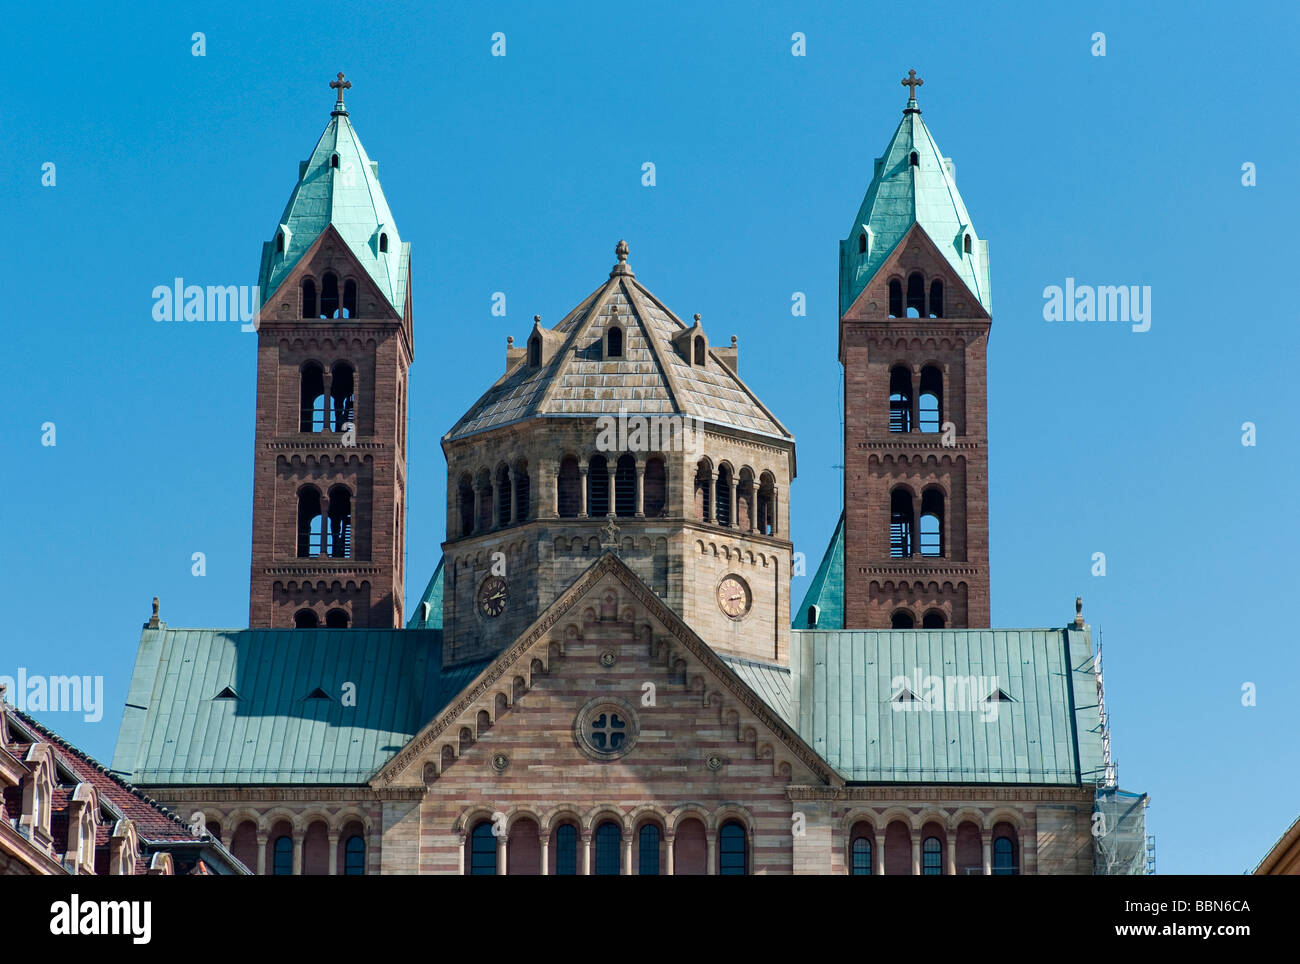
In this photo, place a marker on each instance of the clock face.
(734, 597)
(492, 596)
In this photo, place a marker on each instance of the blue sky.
(519, 173)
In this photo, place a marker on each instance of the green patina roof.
(1048, 733)
(348, 197)
(175, 732)
(433, 596)
(826, 591)
(902, 194)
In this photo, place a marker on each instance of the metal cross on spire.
(340, 85)
(911, 81)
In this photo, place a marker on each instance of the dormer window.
(915, 159)
(966, 244)
(614, 343)
(383, 244)
(862, 243)
(279, 242)
(535, 351)
(334, 161)
(699, 350)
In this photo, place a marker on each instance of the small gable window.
(895, 298)
(862, 243)
(334, 160)
(279, 242)
(915, 159)
(534, 351)
(383, 243)
(349, 299)
(699, 350)
(966, 244)
(614, 343)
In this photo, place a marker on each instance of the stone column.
(916, 525)
(586, 853)
(501, 854)
(713, 853)
(545, 839)
(460, 855)
(986, 837)
(261, 854)
(627, 855)
(333, 837)
(609, 466)
(916, 852)
(514, 497)
(668, 856)
(775, 510)
(878, 855)
(297, 853)
(548, 489)
(711, 505)
(640, 488)
(327, 379)
(495, 510)
(952, 853)
(734, 523)
(582, 491)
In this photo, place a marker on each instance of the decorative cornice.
(954, 794)
(342, 569)
(921, 570)
(360, 793)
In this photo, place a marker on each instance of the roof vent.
(318, 694)
(227, 693)
(999, 695)
(907, 696)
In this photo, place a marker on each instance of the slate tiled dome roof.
(902, 194)
(651, 378)
(348, 196)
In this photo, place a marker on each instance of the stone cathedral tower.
(334, 345)
(915, 313)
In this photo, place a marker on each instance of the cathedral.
(606, 674)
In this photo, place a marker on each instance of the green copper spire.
(339, 185)
(913, 183)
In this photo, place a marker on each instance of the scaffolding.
(1119, 827)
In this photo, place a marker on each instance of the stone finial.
(733, 341)
(340, 85)
(510, 341)
(697, 317)
(154, 622)
(610, 531)
(537, 318)
(1078, 612)
(620, 252)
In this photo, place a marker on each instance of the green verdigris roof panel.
(770, 681)
(175, 729)
(347, 195)
(430, 618)
(851, 703)
(826, 591)
(902, 194)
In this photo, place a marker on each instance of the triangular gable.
(956, 291)
(283, 304)
(539, 643)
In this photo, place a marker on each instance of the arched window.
(900, 524)
(732, 858)
(305, 619)
(523, 491)
(915, 295)
(569, 488)
(932, 523)
(609, 839)
(930, 403)
(334, 161)
(566, 850)
(343, 396)
(311, 395)
(914, 159)
(504, 492)
(932, 857)
(654, 493)
(1004, 857)
(765, 521)
(862, 243)
(895, 298)
(625, 486)
(308, 298)
(901, 619)
(311, 527)
(340, 532)
(722, 502)
(614, 343)
(282, 856)
(534, 351)
(383, 243)
(702, 477)
(329, 295)
(354, 856)
(699, 350)
(900, 399)
(933, 619)
(648, 846)
(465, 498)
(861, 857)
(598, 487)
(482, 850)
(966, 244)
(349, 299)
(936, 298)
(336, 619)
